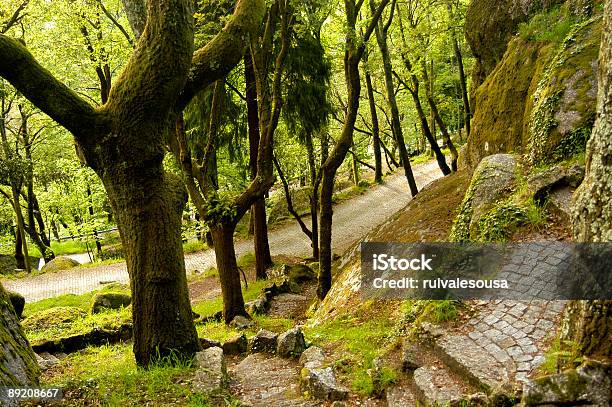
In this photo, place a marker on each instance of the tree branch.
(51, 96)
(217, 58)
(117, 23)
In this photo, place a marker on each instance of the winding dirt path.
(352, 220)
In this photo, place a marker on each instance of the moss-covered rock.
(18, 302)
(59, 264)
(560, 113)
(539, 97)
(493, 181)
(109, 300)
(489, 26)
(589, 385)
(18, 366)
(56, 317)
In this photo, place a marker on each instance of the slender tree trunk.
(148, 204)
(436, 115)
(381, 36)
(263, 258)
(229, 275)
(355, 168)
(378, 173)
(21, 228)
(590, 322)
(462, 78)
(314, 196)
(19, 256)
(91, 213)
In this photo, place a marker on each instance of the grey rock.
(409, 360)
(211, 371)
(321, 384)
(299, 274)
(541, 184)
(264, 341)
(209, 343)
(46, 361)
(241, 322)
(257, 306)
(588, 385)
(313, 357)
(112, 300)
(437, 387)
(236, 345)
(291, 343)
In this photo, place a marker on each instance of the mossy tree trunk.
(589, 323)
(124, 142)
(19, 256)
(355, 47)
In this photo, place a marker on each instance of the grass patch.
(109, 376)
(550, 26)
(562, 355)
(438, 312)
(107, 320)
(194, 246)
(82, 301)
(357, 340)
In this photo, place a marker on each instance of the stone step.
(438, 387)
(469, 360)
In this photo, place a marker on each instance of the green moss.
(59, 264)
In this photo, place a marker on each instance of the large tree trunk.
(148, 204)
(396, 125)
(589, 323)
(21, 228)
(378, 173)
(229, 275)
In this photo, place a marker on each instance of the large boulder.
(18, 365)
(60, 263)
(18, 302)
(109, 300)
(589, 385)
(490, 24)
(236, 345)
(532, 96)
(493, 180)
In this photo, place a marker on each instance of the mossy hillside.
(564, 100)
(18, 364)
(500, 102)
(540, 98)
(490, 24)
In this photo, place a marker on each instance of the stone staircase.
(492, 355)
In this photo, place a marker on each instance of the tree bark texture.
(589, 323)
(378, 173)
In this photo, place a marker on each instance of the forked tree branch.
(51, 96)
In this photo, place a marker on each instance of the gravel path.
(352, 220)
